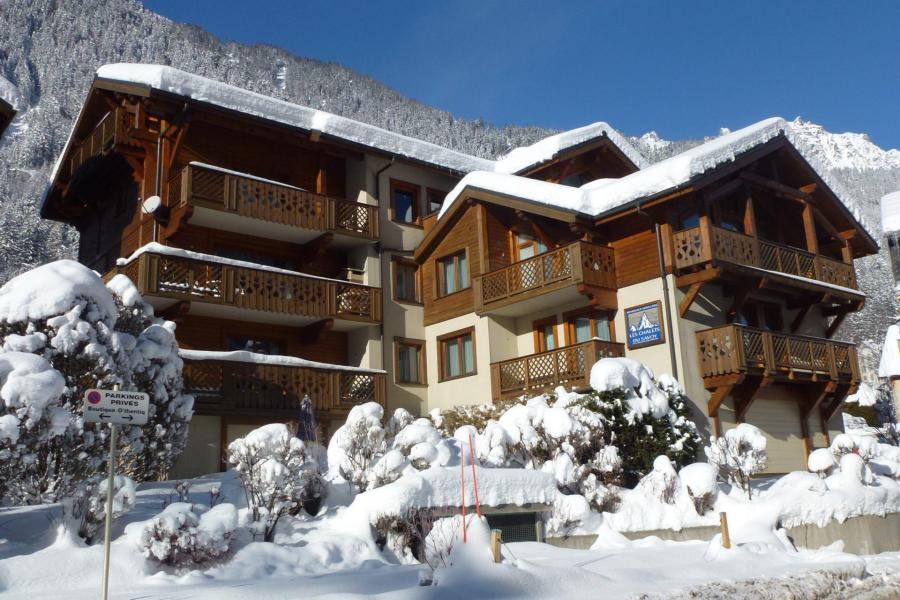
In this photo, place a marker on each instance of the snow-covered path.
(653, 568)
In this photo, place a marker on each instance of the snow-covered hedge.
(62, 331)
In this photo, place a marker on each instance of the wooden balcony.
(738, 350)
(226, 387)
(569, 367)
(547, 279)
(204, 187)
(700, 247)
(277, 293)
(111, 132)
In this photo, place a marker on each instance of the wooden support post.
(689, 297)
(809, 228)
(723, 525)
(496, 541)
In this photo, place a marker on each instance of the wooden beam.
(176, 312)
(798, 320)
(689, 298)
(715, 400)
(836, 322)
(313, 249)
(310, 333)
(749, 216)
(809, 229)
(744, 396)
(776, 186)
(724, 190)
(705, 275)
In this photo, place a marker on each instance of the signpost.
(116, 408)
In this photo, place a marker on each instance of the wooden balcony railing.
(228, 387)
(698, 245)
(735, 349)
(577, 263)
(111, 130)
(198, 185)
(569, 366)
(181, 278)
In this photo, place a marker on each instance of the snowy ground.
(326, 557)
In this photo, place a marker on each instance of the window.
(453, 273)
(528, 246)
(545, 337)
(404, 202)
(585, 325)
(406, 281)
(409, 360)
(761, 314)
(253, 344)
(435, 200)
(457, 354)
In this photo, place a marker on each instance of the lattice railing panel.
(688, 248)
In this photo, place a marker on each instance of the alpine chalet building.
(306, 254)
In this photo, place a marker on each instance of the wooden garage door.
(776, 412)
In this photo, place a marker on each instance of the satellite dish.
(151, 205)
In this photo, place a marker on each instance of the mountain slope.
(49, 50)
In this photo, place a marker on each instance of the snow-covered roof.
(269, 359)
(604, 196)
(202, 89)
(157, 248)
(890, 212)
(889, 366)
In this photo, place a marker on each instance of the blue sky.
(683, 69)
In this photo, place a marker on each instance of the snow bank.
(54, 288)
(438, 487)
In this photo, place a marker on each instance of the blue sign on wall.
(644, 325)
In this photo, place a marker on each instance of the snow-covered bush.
(700, 481)
(662, 482)
(357, 444)
(821, 461)
(642, 419)
(80, 334)
(184, 534)
(86, 509)
(275, 469)
(739, 454)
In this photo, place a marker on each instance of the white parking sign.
(114, 406)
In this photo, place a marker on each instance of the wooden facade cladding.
(738, 350)
(179, 278)
(464, 235)
(706, 245)
(223, 387)
(569, 366)
(580, 263)
(112, 132)
(199, 186)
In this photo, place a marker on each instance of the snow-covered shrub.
(739, 454)
(357, 444)
(662, 482)
(400, 419)
(821, 461)
(184, 534)
(91, 335)
(86, 509)
(700, 481)
(387, 469)
(275, 469)
(642, 419)
(403, 534)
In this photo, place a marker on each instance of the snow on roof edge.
(663, 176)
(246, 356)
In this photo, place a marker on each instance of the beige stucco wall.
(203, 452)
(474, 389)
(524, 327)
